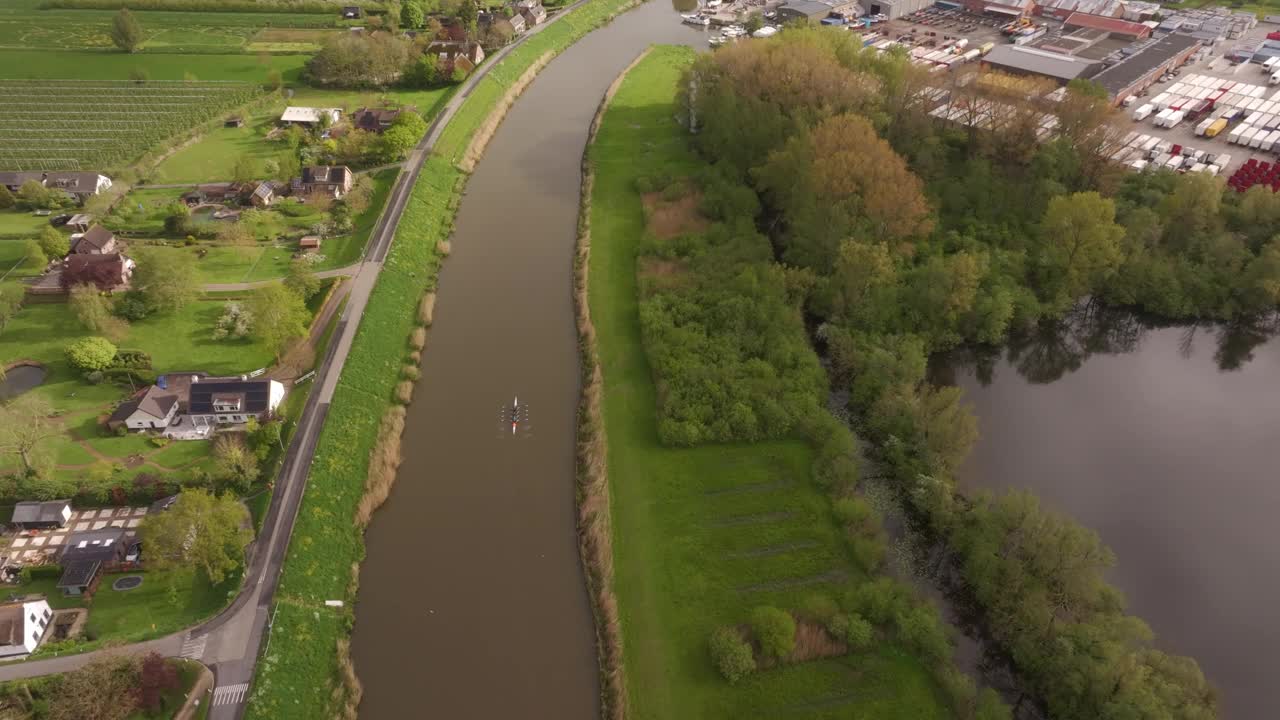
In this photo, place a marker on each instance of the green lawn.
(214, 156)
(702, 535)
(145, 612)
(20, 223)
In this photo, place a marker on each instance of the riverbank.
(702, 535)
(306, 672)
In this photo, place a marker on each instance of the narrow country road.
(229, 643)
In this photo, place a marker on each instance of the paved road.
(229, 643)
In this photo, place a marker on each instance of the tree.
(53, 243)
(279, 317)
(11, 297)
(301, 280)
(34, 255)
(858, 633)
(26, 423)
(275, 80)
(156, 676)
(126, 32)
(91, 353)
(775, 631)
(33, 195)
(7, 200)
(139, 75)
(104, 689)
(402, 136)
(731, 654)
(199, 530)
(234, 462)
(245, 170)
(236, 322)
(93, 310)
(167, 280)
(411, 15)
(1080, 245)
(177, 218)
(424, 72)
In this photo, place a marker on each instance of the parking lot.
(1217, 66)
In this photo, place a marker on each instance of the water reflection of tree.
(684, 6)
(1237, 341)
(1055, 348)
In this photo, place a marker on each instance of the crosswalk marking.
(229, 694)
(193, 648)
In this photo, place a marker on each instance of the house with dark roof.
(97, 240)
(87, 554)
(457, 55)
(154, 409)
(36, 515)
(1142, 68)
(263, 195)
(79, 185)
(376, 120)
(106, 272)
(23, 624)
(332, 180)
(532, 11)
(224, 401)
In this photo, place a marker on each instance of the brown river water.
(472, 599)
(1164, 440)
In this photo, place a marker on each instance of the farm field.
(43, 127)
(96, 65)
(703, 535)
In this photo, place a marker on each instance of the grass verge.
(305, 672)
(704, 534)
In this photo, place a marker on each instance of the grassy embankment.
(306, 675)
(704, 534)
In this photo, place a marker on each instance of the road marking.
(193, 648)
(229, 694)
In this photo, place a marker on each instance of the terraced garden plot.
(89, 125)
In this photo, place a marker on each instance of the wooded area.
(904, 237)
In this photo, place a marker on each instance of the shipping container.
(1162, 116)
(1216, 127)
(1174, 119)
(1203, 126)
(1138, 165)
(1236, 133)
(1255, 141)
(1143, 112)
(1173, 163)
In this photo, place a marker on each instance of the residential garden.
(119, 687)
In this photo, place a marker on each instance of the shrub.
(93, 378)
(411, 372)
(852, 511)
(132, 359)
(132, 307)
(879, 600)
(160, 441)
(44, 572)
(133, 377)
(427, 309)
(418, 339)
(775, 630)
(91, 353)
(858, 633)
(731, 654)
(922, 630)
(404, 392)
(121, 431)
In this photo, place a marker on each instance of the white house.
(309, 115)
(22, 626)
(154, 410)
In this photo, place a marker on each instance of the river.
(472, 599)
(1164, 441)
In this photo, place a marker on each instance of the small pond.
(21, 379)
